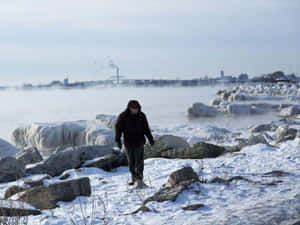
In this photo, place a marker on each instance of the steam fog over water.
(164, 107)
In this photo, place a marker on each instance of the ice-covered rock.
(107, 120)
(6, 149)
(47, 137)
(285, 132)
(200, 110)
(216, 101)
(244, 109)
(239, 109)
(290, 111)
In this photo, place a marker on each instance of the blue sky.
(45, 40)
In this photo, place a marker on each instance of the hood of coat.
(134, 104)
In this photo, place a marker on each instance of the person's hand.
(151, 142)
(119, 143)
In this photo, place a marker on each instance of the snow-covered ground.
(241, 202)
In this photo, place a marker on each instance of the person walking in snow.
(133, 125)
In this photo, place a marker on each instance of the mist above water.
(164, 106)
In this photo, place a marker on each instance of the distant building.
(66, 81)
(222, 74)
(243, 77)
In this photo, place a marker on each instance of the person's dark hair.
(134, 104)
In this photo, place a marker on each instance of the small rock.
(193, 207)
(184, 174)
(12, 191)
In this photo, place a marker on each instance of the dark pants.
(135, 156)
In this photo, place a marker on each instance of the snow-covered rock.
(200, 110)
(47, 137)
(16, 209)
(163, 143)
(70, 158)
(6, 149)
(290, 111)
(107, 120)
(244, 109)
(46, 197)
(239, 109)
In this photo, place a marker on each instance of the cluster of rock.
(237, 101)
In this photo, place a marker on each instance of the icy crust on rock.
(47, 137)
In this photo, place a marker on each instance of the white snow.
(240, 202)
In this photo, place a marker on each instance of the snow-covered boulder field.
(258, 185)
(48, 137)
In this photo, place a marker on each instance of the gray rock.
(171, 190)
(46, 197)
(164, 143)
(29, 156)
(201, 110)
(9, 208)
(197, 151)
(184, 174)
(193, 206)
(12, 191)
(108, 162)
(290, 111)
(11, 169)
(70, 158)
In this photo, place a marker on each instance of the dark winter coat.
(133, 127)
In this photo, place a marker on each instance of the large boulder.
(46, 197)
(70, 158)
(107, 120)
(163, 143)
(29, 156)
(6, 149)
(11, 169)
(10, 208)
(197, 151)
(290, 111)
(47, 137)
(201, 110)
